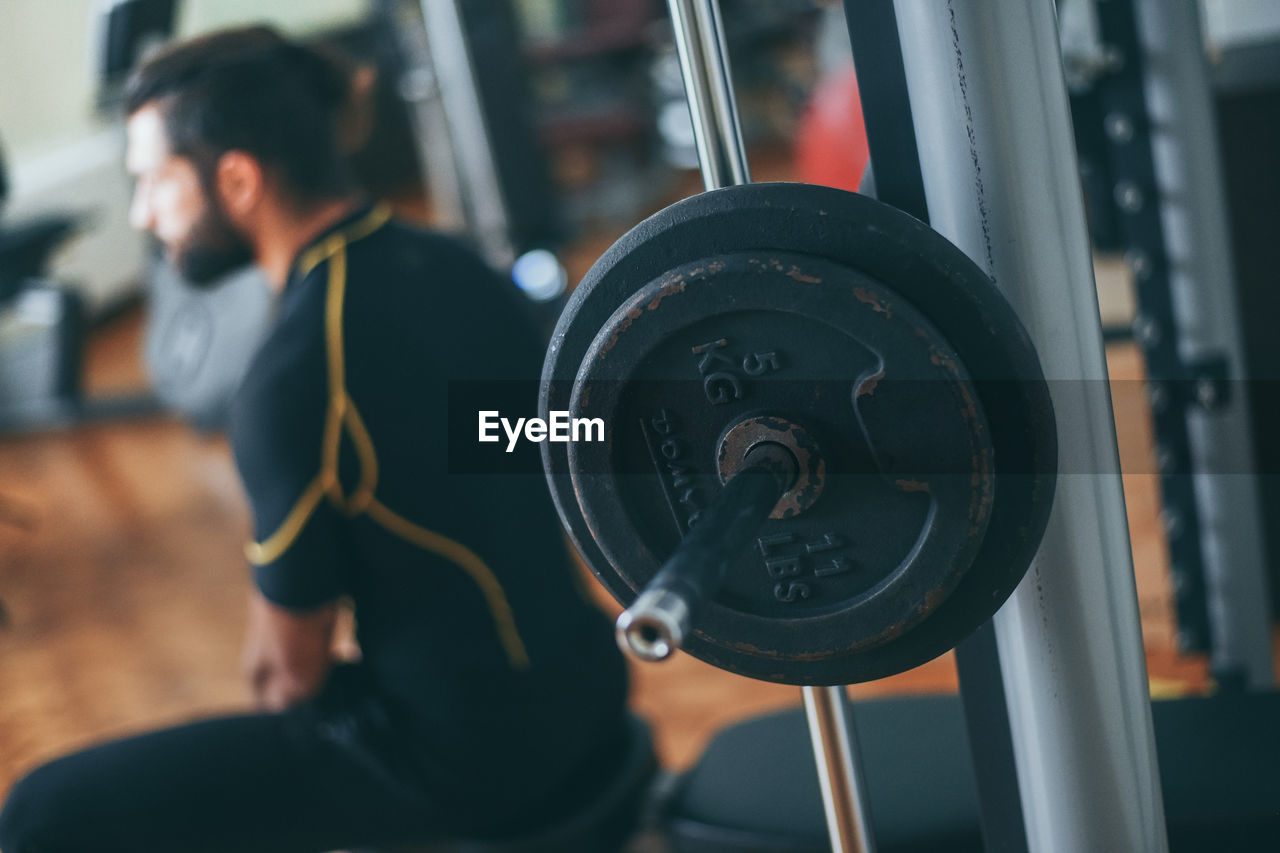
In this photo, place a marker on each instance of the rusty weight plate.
(969, 343)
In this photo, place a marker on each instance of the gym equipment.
(199, 340)
(123, 31)
(25, 246)
(1247, 106)
(41, 321)
(677, 273)
(797, 316)
(1065, 659)
(1139, 87)
(467, 94)
(1218, 768)
(1178, 244)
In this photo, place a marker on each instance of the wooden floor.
(123, 585)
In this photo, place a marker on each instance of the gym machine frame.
(1139, 76)
(1068, 641)
(1183, 200)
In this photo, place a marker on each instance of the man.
(489, 696)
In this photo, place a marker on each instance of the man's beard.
(212, 250)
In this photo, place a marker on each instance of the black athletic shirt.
(473, 625)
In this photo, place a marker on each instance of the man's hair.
(255, 91)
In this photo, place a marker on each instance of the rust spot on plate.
(877, 304)
(795, 274)
(868, 386)
(670, 289)
(635, 312)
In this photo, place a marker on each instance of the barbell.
(829, 450)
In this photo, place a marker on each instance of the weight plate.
(708, 346)
(920, 268)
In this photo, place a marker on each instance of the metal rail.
(704, 61)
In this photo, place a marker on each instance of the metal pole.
(472, 147)
(1194, 218)
(704, 61)
(994, 130)
(891, 136)
(421, 90)
(843, 795)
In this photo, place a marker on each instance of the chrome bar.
(704, 62)
(835, 751)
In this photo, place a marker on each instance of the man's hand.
(287, 653)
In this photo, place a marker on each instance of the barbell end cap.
(654, 626)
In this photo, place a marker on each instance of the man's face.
(170, 201)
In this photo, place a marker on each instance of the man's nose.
(141, 216)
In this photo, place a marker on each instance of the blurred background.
(541, 130)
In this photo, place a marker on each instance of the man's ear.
(239, 183)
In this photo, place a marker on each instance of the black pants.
(332, 773)
(273, 782)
